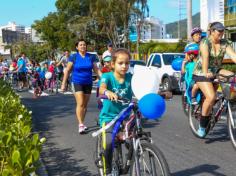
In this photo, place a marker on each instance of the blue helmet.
(192, 48)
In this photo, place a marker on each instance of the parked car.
(161, 64)
(133, 63)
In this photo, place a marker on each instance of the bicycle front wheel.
(99, 156)
(151, 161)
(231, 121)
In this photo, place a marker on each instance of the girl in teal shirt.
(114, 84)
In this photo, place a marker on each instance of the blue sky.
(25, 12)
(168, 11)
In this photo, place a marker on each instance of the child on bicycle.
(188, 66)
(114, 84)
(196, 35)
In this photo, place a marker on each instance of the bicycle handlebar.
(120, 99)
(124, 112)
(225, 78)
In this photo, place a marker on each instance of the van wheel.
(166, 84)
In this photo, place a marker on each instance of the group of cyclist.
(207, 56)
(25, 73)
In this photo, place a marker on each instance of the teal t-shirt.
(189, 68)
(111, 108)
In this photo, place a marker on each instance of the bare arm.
(66, 75)
(19, 67)
(184, 62)
(231, 53)
(103, 91)
(96, 70)
(205, 58)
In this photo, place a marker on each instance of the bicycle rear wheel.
(231, 121)
(151, 162)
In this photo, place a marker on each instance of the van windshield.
(168, 58)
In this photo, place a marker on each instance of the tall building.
(12, 26)
(10, 34)
(152, 29)
(210, 11)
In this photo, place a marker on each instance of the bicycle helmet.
(192, 48)
(196, 30)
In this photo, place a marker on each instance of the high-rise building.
(211, 11)
(152, 29)
(12, 26)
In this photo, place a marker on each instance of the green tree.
(94, 20)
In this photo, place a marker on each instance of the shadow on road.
(150, 123)
(200, 170)
(58, 161)
(218, 134)
(61, 162)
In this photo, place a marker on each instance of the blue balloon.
(152, 106)
(177, 64)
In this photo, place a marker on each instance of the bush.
(19, 147)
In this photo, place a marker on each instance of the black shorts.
(202, 79)
(85, 88)
(22, 76)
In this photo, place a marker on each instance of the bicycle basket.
(229, 90)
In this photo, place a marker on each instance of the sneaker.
(201, 131)
(82, 128)
(85, 128)
(194, 101)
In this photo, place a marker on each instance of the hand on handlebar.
(111, 96)
(209, 75)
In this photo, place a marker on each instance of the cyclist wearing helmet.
(191, 51)
(212, 51)
(190, 57)
(196, 36)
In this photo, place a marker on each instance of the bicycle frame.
(133, 126)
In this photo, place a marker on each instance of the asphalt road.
(66, 153)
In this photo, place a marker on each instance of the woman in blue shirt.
(81, 65)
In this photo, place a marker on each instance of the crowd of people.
(206, 54)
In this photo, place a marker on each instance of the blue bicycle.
(142, 157)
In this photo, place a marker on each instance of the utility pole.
(189, 19)
(182, 7)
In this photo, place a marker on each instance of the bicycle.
(224, 101)
(135, 140)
